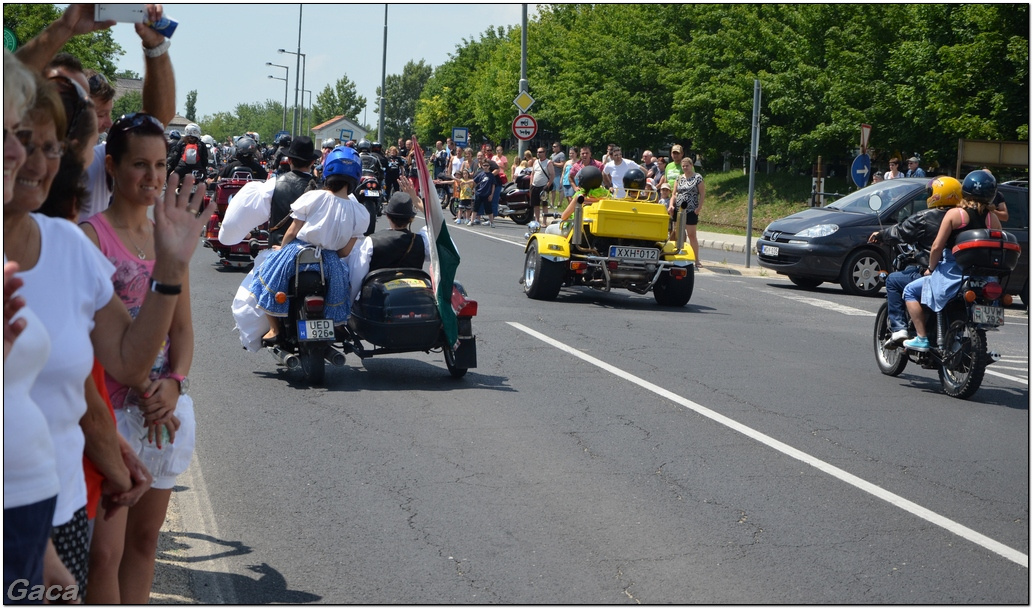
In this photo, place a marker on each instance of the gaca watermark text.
(20, 590)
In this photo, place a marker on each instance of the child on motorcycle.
(331, 219)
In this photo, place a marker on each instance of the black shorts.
(536, 195)
(691, 218)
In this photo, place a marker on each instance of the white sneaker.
(895, 339)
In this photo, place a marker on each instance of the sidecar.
(397, 313)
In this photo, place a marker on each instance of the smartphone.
(123, 13)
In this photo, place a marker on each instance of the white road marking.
(891, 498)
(828, 305)
(1017, 379)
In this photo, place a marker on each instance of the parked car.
(831, 243)
(1016, 197)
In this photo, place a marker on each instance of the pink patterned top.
(132, 282)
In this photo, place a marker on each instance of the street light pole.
(286, 77)
(297, 88)
(306, 109)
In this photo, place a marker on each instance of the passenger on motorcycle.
(331, 219)
(245, 157)
(943, 277)
(395, 247)
(188, 154)
(920, 230)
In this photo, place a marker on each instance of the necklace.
(140, 253)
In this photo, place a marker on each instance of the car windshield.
(857, 202)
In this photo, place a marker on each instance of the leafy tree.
(340, 99)
(131, 102)
(191, 111)
(401, 92)
(96, 50)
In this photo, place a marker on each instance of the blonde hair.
(19, 84)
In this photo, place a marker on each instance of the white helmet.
(192, 129)
(207, 139)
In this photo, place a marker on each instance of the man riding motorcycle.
(370, 163)
(245, 157)
(919, 230)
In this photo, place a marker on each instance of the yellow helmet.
(946, 192)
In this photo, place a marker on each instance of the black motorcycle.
(959, 352)
(515, 200)
(307, 337)
(371, 194)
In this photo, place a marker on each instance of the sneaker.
(895, 339)
(476, 223)
(491, 224)
(918, 343)
(459, 220)
(469, 222)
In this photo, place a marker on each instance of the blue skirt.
(943, 283)
(277, 272)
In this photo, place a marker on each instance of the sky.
(221, 49)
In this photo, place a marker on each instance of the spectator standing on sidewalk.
(894, 170)
(565, 180)
(558, 160)
(913, 170)
(501, 160)
(688, 199)
(541, 179)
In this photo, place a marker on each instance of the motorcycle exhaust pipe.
(333, 357)
(289, 360)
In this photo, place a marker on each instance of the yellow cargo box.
(626, 218)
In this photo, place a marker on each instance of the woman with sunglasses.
(69, 283)
(125, 544)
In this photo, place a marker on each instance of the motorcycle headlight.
(821, 230)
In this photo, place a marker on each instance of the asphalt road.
(742, 449)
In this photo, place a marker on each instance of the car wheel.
(670, 292)
(806, 283)
(542, 278)
(860, 275)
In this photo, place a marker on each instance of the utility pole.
(522, 146)
(383, 82)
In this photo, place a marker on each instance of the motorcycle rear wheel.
(312, 364)
(891, 361)
(964, 360)
(523, 216)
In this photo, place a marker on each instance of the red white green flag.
(444, 258)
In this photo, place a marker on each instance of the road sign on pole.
(524, 127)
(866, 130)
(860, 169)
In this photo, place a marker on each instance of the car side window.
(1018, 208)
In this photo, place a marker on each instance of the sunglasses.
(81, 101)
(137, 120)
(97, 81)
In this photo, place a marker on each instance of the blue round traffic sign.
(861, 169)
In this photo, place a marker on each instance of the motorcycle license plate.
(991, 316)
(372, 193)
(315, 329)
(769, 250)
(634, 253)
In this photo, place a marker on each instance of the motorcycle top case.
(397, 310)
(986, 250)
(630, 219)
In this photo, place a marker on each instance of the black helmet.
(589, 178)
(363, 145)
(245, 146)
(284, 140)
(377, 147)
(979, 187)
(635, 179)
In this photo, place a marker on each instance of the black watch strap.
(164, 288)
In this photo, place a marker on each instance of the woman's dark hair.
(137, 123)
(66, 191)
(337, 182)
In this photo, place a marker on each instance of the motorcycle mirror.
(875, 202)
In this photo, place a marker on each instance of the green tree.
(96, 50)
(127, 104)
(401, 92)
(341, 99)
(191, 111)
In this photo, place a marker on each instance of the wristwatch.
(184, 382)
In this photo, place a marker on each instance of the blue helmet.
(979, 187)
(174, 135)
(344, 161)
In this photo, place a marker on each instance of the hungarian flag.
(444, 258)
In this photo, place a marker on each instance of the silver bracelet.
(157, 51)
